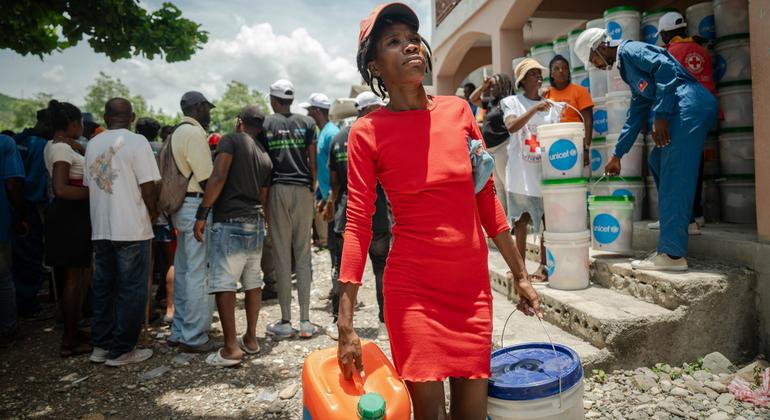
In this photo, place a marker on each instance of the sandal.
(76, 350)
(216, 359)
(245, 349)
(539, 276)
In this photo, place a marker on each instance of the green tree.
(106, 87)
(25, 111)
(235, 98)
(116, 28)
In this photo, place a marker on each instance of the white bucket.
(611, 225)
(618, 104)
(652, 199)
(700, 20)
(736, 151)
(731, 17)
(600, 117)
(650, 20)
(633, 186)
(631, 163)
(567, 259)
(735, 102)
(564, 201)
(580, 78)
(561, 47)
(597, 80)
(562, 146)
(596, 23)
(712, 205)
(623, 22)
(711, 164)
(543, 54)
(599, 156)
(615, 83)
(733, 61)
(574, 61)
(738, 199)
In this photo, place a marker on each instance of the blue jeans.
(7, 293)
(28, 262)
(235, 251)
(193, 306)
(120, 294)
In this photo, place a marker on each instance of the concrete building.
(469, 34)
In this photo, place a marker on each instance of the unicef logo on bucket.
(550, 263)
(606, 228)
(563, 154)
(586, 83)
(600, 121)
(720, 67)
(614, 30)
(622, 192)
(650, 34)
(707, 27)
(596, 160)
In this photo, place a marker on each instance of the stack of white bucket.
(567, 238)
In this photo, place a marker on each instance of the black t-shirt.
(250, 170)
(287, 139)
(338, 162)
(493, 129)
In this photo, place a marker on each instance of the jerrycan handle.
(358, 380)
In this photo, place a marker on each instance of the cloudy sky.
(310, 42)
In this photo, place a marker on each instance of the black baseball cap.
(251, 113)
(193, 97)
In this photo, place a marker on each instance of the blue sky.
(310, 42)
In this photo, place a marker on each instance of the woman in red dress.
(438, 302)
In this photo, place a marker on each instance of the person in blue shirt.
(684, 112)
(12, 217)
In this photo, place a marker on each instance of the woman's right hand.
(543, 106)
(349, 353)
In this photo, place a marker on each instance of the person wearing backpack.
(191, 157)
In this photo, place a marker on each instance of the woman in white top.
(522, 114)
(68, 222)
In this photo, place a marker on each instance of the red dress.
(438, 302)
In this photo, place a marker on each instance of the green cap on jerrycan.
(371, 406)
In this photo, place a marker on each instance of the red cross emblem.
(694, 62)
(642, 85)
(532, 143)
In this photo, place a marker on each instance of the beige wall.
(760, 72)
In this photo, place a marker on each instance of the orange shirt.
(573, 94)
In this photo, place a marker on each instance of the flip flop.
(216, 359)
(245, 349)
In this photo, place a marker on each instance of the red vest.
(695, 59)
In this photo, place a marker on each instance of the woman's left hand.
(529, 301)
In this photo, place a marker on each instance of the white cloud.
(55, 74)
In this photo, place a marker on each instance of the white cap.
(367, 99)
(587, 42)
(671, 21)
(283, 89)
(317, 100)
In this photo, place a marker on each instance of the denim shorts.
(235, 252)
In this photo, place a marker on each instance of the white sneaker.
(660, 262)
(333, 332)
(693, 229)
(98, 355)
(382, 332)
(654, 225)
(134, 356)
(307, 329)
(701, 221)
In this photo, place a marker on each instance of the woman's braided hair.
(502, 87)
(367, 52)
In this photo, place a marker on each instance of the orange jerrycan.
(379, 394)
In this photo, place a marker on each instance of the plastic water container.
(567, 259)
(622, 186)
(712, 204)
(599, 156)
(733, 60)
(611, 224)
(711, 164)
(652, 199)
(543, 54)
(623, 22)
(597, 79)
(580, 77)
(562, 148)
(615, 83)
(735, 102)
(618, 104)
(700, 20)
(574, 61)
(561, 47)
(525, 383)
(736, 150)
(596, 23)
(731, 17)
(650, 20)
(738, 199)
(600, 117)
(564, 201)
(632, 162)
(327, 395)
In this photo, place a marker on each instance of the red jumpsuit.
(438, 302)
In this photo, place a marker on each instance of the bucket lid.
(565, 181)
(576, 31)
(622, 9)
(611, 198)
(542, 46)
(560, 39)
(599, 140)
(732, 37)
(578, 68)
(736, 130)
(568, 125)
(582, 236)
(657, 11)
(735, 83)
(371, 406)
(619, 179)
(531, 371)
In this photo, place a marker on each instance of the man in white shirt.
(120, 172)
